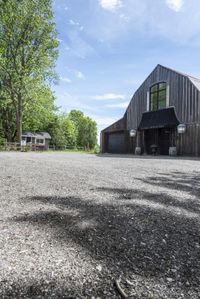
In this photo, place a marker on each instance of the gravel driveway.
(73, 224)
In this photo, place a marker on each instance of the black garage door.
(116, 143)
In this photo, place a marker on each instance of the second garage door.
(116, 142)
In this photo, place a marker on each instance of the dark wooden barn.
(163, 117)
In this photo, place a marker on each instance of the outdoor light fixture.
(181, 128)
(132, 133)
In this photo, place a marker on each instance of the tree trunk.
(19, 119)
(19, 127)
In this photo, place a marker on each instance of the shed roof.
(45, 135)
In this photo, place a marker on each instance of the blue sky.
(108, 48)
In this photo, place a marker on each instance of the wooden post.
(144, 142)
(138, 143)
(138, 139)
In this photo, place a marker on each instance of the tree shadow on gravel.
(37, 290)
(189, 183)
(152, 235)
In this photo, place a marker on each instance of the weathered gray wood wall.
(118, 125)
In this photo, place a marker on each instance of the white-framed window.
(41, 141)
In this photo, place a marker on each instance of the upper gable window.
(158, 96)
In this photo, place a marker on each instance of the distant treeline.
(73, 129)
(66, 129)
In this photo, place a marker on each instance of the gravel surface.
(73, 224)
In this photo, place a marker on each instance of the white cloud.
(141, 18)
(109, 96)
(80, 75)
(71, 22)
(78, 47)
(175, 5)
(124, 17)
(68, 96)
(70, 101)
(111, 5)
(105, 121)
(118, 105)
(65, 79)
(76, 24)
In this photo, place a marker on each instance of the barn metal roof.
(159, 119)
(194, 80)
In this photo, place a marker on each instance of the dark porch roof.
(159, 119)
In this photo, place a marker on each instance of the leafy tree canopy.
(28, 52)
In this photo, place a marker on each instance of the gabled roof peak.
(195, 81)
(178, 72)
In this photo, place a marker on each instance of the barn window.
(158, 96)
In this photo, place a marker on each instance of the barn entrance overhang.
(158, 129)
(163, 118)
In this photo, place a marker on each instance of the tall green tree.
(39, 113)
(87, 134)
(7, 117)
(77, 116)
(7, 122)
(86, 129)
(69, 130)
(62, 131)
(28, 49)
(92, 132)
